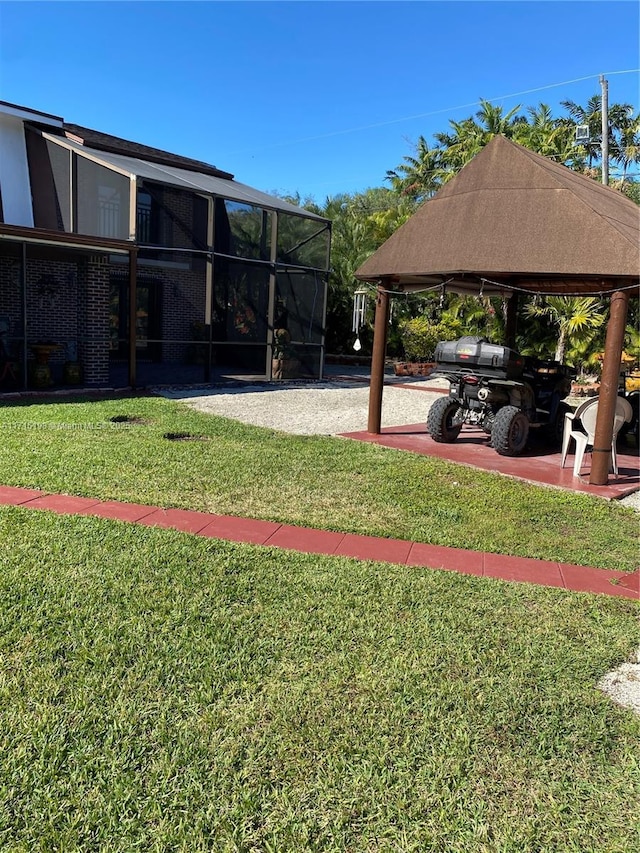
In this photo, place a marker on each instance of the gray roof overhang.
(184, 179)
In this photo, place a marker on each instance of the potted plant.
(39, 369)
(419, 338)
(72, 370)
(284, 364)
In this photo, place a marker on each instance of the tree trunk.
(560, 348)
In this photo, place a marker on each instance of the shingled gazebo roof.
(515, 219)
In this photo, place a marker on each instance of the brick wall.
(52, 304)
(67, 304)
(93, 319)
(181, 218)
(183, 305)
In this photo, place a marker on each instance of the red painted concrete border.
(311, 541)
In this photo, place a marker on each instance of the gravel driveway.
(323, 408)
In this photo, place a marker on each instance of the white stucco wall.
(14, 172)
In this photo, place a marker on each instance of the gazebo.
(514, 222)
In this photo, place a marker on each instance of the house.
(122, 264)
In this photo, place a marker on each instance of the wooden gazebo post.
(601, 457)
(380, 328)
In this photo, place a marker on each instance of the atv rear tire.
(510, 431)
(441, 420)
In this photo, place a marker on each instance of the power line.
(444, 110)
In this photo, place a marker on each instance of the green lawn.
(163, 692)
(325, 482)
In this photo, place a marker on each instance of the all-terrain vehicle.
(499, 390)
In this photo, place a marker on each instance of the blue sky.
(313, 97)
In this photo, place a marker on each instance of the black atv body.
(501, 391)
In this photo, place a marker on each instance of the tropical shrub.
(420, 335)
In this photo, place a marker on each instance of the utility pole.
(605, 130)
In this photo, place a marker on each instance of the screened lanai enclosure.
(201, 312)
(143, 272)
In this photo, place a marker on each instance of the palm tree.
(494, 123)
(551, 137)
(585, 352)
(629, 143)
(591, 116)
(572, 316)
(618, 118)
(462, 145)
(420, 176)
(632, 342)
(361, 223)
(472, 134)
(475, 316)
(622, 123)
(349, 248)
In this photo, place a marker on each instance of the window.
(143, 218)
(101, 200)
(108, 212)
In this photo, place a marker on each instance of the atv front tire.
(443, 420)
(510, 431)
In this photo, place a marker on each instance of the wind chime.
(359, 312)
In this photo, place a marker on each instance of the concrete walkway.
(312, 541)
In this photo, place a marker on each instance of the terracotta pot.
(413, 368)
(578, 390)
(285, 368)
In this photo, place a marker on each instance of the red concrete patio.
(538, 464)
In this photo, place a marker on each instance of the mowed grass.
(325, 482)
(163, 692)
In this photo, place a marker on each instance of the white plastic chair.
(586, 415)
